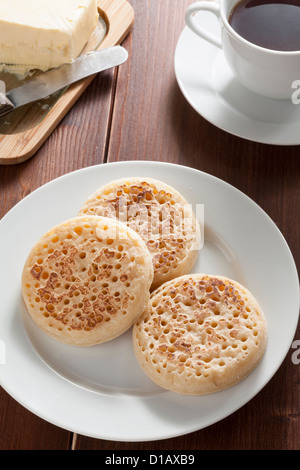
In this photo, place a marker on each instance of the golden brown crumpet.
(87, 280)
(200, 334)
(159, 214)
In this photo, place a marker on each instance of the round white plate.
(210, 87)
(101, 391)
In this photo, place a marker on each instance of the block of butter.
(41, 34)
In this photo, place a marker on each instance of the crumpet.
(159, 214)
(87, 280)
(200, 334)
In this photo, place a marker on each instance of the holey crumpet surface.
(200, 334)
(161, 216)
(87, 280)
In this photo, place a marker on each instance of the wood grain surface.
(30, 126)
(138, 113)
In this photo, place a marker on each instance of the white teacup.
(266, 72)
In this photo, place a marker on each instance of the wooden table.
(144, 116)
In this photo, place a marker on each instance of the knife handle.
(5, 104)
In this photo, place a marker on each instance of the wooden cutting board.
(23, 131)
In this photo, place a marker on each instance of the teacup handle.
(202, 32)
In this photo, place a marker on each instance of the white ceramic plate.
(209, 86)
(101, 391)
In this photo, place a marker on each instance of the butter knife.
(56, 79)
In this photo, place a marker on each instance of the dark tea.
(272, 24)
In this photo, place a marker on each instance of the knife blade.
(56, 79)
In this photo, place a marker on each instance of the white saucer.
(210, 87)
